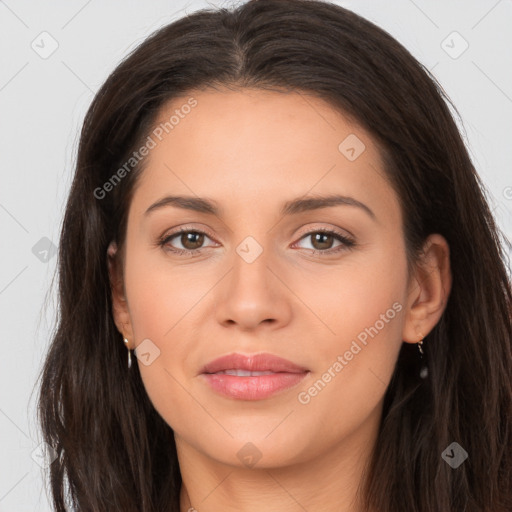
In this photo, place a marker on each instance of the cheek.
(165, 309)
(360, 299)
(358, 354)
(156, 317)
(161, 294)
(345, 394)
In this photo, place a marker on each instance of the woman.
(274, 213)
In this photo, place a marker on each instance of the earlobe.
(119, 303)
(429, 290)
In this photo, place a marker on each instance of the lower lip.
(252, 388)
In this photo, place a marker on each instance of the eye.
(323, 239)
(190, 239)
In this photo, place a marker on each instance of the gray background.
(43, 99)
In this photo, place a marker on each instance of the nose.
(253, 293)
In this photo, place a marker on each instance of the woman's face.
(250, 164)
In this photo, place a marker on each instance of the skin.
(252, 150)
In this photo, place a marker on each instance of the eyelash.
(347, 242)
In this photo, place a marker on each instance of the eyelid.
(345, 233)
(186, 229)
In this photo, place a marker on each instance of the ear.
(428, 290)
(119, 303)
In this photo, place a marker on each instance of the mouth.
(253, 377)
(242, 373)
(252, 363)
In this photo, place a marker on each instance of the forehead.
(249, 146)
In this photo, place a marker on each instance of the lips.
(253, 377)
(252, 363)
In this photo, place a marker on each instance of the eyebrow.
(295, 206)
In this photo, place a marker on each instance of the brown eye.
(192, 240)
(322, 241)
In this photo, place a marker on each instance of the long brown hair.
(114, 450)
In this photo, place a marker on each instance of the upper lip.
(252, 362)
